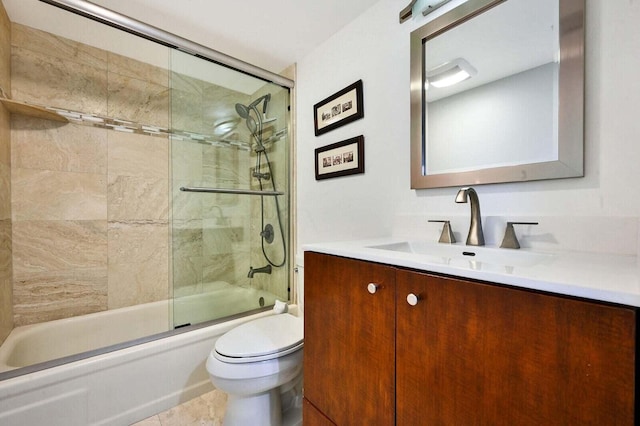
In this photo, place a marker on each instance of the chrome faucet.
(476, 236)
(263, 270)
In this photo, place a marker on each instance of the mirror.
(497, 93)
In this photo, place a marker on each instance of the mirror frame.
(570, 162)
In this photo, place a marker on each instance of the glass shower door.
(229, 167)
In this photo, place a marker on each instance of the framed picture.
(339, 109)
(340, 159)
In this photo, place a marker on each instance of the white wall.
(375, 48)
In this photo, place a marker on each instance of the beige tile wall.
(216, 237)
(210, 233)
(90, 205)
(6, 272)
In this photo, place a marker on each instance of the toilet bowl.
(259, 365)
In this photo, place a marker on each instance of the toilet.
(259, 365)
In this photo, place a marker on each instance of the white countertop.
(609, 278)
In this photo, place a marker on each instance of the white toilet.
(259, 365)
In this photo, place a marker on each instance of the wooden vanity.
(467, 352)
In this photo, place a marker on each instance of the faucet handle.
(446, 236)
(510, 240)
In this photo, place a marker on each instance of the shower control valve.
(268, 233)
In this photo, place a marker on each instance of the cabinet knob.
(412, 299)
(372, 288)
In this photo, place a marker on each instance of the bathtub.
(111, 382)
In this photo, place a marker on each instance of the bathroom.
(598, 213)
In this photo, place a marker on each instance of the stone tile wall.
(210, 231)
(6, 272)
(90, 205)
(216, 237)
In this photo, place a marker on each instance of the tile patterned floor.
(206, 410)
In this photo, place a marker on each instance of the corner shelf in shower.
(17, 107)
(229, 191)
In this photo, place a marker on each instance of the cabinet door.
(312, 417)
(476, 354)
(349, 340)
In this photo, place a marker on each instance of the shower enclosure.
(168, 183)
(229, 176)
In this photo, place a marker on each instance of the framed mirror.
(497, 93)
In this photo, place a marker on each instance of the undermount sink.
(445, 253)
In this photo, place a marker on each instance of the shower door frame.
(154, 34)
(133, 26)
(157, 35)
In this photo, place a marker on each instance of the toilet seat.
(260, 340)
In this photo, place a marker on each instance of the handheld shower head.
(244, 110)
(265, 98)
(255, 124)
(252, 124)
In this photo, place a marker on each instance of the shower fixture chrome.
(261, 176)
(235, 191)
(243, 111)
(264, 270)
(268, 233)
(255, 126)
(133, 26)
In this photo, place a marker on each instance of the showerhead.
(255, 124)
(251, 124)
(243, 111)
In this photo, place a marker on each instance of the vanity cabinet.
(465, 353)
(349, 347)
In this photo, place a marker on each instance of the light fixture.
(426, 6)
(450, 73)
(432, 5)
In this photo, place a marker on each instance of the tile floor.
(205, 410)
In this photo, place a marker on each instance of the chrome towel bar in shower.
(229, 191)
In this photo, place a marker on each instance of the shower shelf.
(229, 191)
(24, 108)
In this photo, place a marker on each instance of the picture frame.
(341, 108)
(340, 158)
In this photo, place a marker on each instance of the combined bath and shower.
(255, 121)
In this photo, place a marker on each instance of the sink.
(446, 253)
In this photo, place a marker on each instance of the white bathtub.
(32, 344)
(114, 388)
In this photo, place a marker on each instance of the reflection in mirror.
(496, 93)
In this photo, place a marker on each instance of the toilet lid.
(261, 339)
